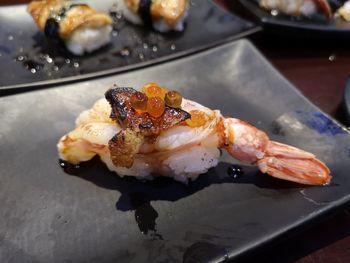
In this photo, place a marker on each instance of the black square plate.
(315, 26)
(27, 57)
(50, 216)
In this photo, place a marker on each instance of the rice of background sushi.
(86, 40)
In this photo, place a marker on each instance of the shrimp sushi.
(161, 15)
(81, 28)
(156, 132)
(298, 7)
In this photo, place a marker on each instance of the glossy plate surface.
(27, 57)
(315, 26)
(48, 215)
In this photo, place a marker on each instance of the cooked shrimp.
(171, 146)
(249, 144)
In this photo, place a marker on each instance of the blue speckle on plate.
(319, 122)
(226, 18)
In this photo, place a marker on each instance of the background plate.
(51, 216)
(23, 49)
(316, 26)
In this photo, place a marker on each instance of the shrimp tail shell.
(293, 164)
(247, 143)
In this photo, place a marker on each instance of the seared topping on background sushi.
(78, 25)
(169, 10)
(42, 10)
(162, 15)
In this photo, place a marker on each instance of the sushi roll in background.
(161, 15)
(80, 27)
(298, 7)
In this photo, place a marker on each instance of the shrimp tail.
(247, 143)
(293, 164)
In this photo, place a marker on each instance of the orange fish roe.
(139, 101)
(152, 90)
(173, 99)
(155, 106)
(198, 118)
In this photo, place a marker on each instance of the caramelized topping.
(171, 11)
(142, 116)
(79, 16)
(124, 146)
(173, 99)
(198, 118)
(156, 118)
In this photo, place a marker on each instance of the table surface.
(319, 69)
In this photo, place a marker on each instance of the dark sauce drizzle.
(52, 25)
(145, 215)
(145, 12)
(69, 168)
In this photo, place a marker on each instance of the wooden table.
(319, 70)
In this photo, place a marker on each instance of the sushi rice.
(86, 40)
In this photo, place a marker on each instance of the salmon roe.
(155, 106)
(153, 90)
(173, 99)
(139, 101)
(198, 118)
